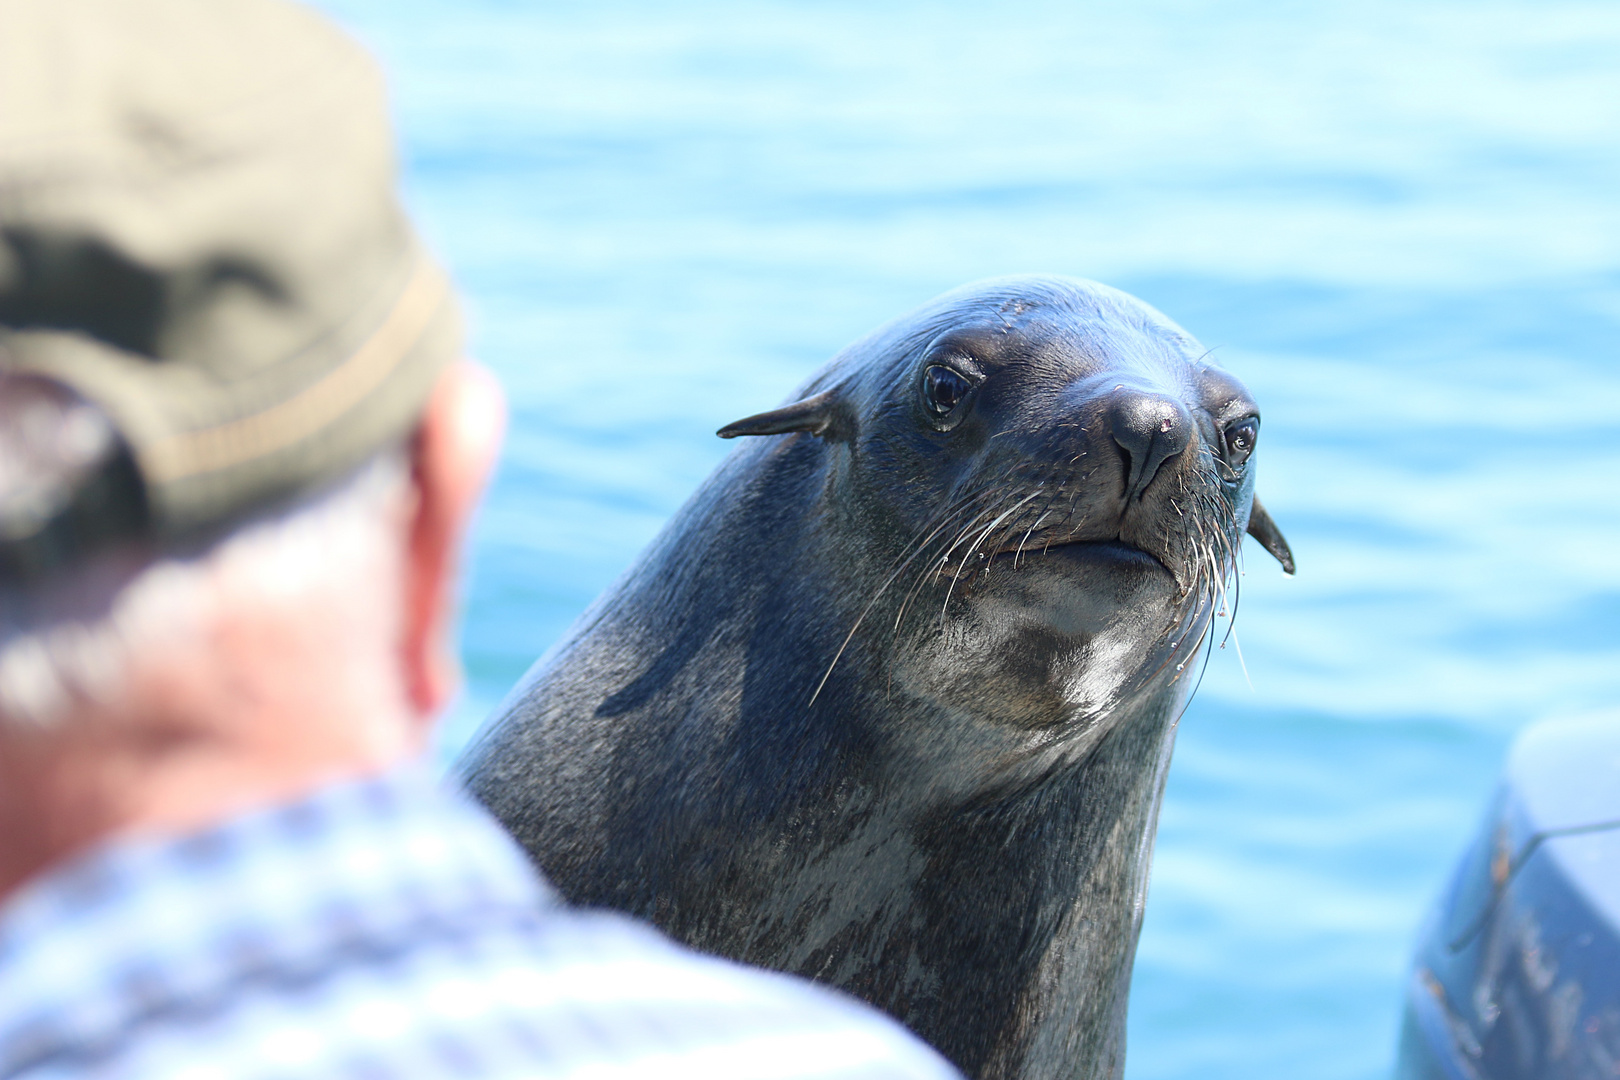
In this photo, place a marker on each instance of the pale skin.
(204, 734)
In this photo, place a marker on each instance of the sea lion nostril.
(1150, 428)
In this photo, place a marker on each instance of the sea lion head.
(1049, 480)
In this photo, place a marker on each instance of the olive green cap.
(200, 235)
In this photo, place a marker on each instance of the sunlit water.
(1398, 222)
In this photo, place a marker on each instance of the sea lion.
(890, 701)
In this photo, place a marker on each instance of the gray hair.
(73, 644)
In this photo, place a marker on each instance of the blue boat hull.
(1517, 975)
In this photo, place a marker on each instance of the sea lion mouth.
(1113, 551)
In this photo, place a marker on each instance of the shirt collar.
(143, 926)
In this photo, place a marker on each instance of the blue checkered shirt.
(387, 928)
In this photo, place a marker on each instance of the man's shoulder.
(590, 994)
(387, 929)
(712, 1016)
(575, 994)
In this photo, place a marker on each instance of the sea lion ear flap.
(1263, 529)
(814, 414)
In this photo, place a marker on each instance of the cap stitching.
(175, 457)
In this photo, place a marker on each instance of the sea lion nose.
(1151, 429)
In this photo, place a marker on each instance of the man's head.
(240, 450)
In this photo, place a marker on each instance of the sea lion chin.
(890, 701)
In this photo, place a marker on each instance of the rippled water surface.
(1399, 223)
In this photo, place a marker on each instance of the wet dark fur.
(890, 705)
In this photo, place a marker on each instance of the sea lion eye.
(1240, 439)
(943, 389)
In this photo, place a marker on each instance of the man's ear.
(1263, 529)
(453, 454)
(817, 415)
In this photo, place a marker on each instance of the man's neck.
(69, 789)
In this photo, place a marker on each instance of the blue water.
(1398, 222)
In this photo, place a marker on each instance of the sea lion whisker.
(986, 532)
(1027, 534)
(1191, 621)
(972, 531)
(943, 563)
(942, 518)
(859, 619)
(1209, 651)
(1207, 643)
(1237, 595)
(922, 578)
(918, 550)
(1237, 647)
(967, 530)
(940, 522)
(911, 594)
